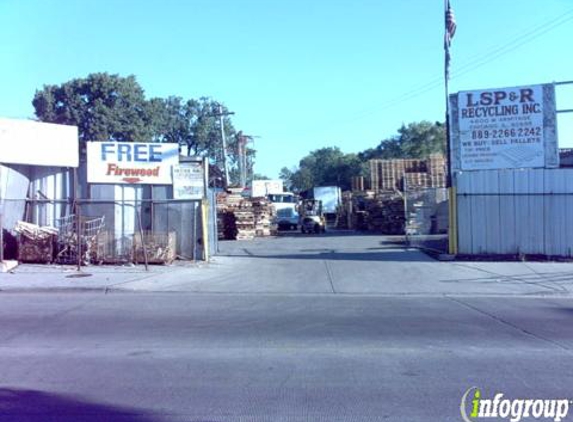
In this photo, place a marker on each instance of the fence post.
(204, 217)
(79, 234)
(2, 235)
(143, 245)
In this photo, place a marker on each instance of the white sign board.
(131, 162)
(502, 128)
(261, 188)
(35, 143)
(188, 181)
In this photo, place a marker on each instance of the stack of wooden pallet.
(235, 217)
(226, 222)
(389, 175)
(416, 181)
(385, 213)
(264, 212)
(245, 220)
(436, 164)
(357, 183)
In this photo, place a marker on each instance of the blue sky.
(301, 74)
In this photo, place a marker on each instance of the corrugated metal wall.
(515, 212)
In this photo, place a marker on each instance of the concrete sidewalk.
(333, 264)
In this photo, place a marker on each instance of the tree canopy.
(104, 107)
(416, 140)
(108, 107)
(323, 167)
(331, 167)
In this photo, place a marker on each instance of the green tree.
(108, 107)
(286, 176)
(104, 107)
(324, 167)
(416, 140)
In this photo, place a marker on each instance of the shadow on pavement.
(38, 406)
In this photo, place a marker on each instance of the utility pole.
(225, 168)
(242, 141)
(221, 116)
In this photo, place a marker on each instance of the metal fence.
(515, 212)
(120, 231)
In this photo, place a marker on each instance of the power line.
(472, 64)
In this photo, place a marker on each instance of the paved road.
(327, 349)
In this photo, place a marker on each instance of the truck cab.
(285, 205)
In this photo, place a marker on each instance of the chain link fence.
(426, 218)
(89, 231)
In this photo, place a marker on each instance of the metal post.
(240, 153)
(143, 244)
(405, 200)
(205, 214)
(205, 229)
(205, 177)
(194, 230)
(452, 228)
(77, 212)
(226, 170)
(2, 233)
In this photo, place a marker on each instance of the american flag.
(450, 24)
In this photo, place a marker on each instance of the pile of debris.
(154, 248)
(35, 243)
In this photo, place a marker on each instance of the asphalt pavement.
(300, 328)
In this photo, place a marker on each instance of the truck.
(285, 204)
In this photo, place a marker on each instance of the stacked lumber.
(35, 243)
(263, 212)
(245, 220)
(436, 164)
(344, 211)
(416, 180)
(388, 175)
(235, 217)
(226, 222)
(385, 213)
(357, 183)
(160, 248)
(360, 220)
